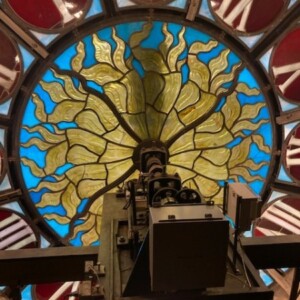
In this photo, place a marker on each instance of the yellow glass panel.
(186, 159)
(115, 152)
(108, 119)
(89, 120)
(52, 199)
(119, 53)
(171, 126)
(155, 122)
(189, 95)
(151, 60)
(218, 64)
(194, 112)
(176, 51)
(80, 155)
(117, 93)
(138, 124)
(56, 157)
(34, 168)
(120, 136)
(183, 143)
(199, 73)
(231, 109)
(102, 50)
(77, 61)
(51, 186)
(240, 153)
(70, 200)
(65, 111)
(135, 93)
(102, 73)
(92, 171)
(115, 170)
(214, 123)
(167, 98)
(88, 188)
(207, 169)
(212, 140)
(218, 156)
(251, 111)
(73, 92)
(206, 186)
(153, 85)
(91, 141)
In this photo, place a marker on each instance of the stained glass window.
(154, 80)
(84, 83)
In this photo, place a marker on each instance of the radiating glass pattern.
(132, 82)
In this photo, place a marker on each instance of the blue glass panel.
(61, 170)
(265, 59)
(95, 9)
(66, 125)
(64, 60)
(26, 293)
(45, 38)
(275, 195)
(4, 108)
(82, 206)
(59, 209)
(15, 206)
(5, 184)
(288, 128)
(93, 85)
(178, 4)
(27, 57)
(205, 10)
(30, 180)
(286, 106)
(77, 240)
(292, 2)
(284, 176)
(266, 278)
(250, 41)
(62, 229)
(246, 76)
(34, 153)
(44, 242)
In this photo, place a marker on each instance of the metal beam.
(288, 117)
(193, 9)
(33, 266)
(282, 251)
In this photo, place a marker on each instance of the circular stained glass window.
(103, 96)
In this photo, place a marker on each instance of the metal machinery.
(159, 240)
(162, 240)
